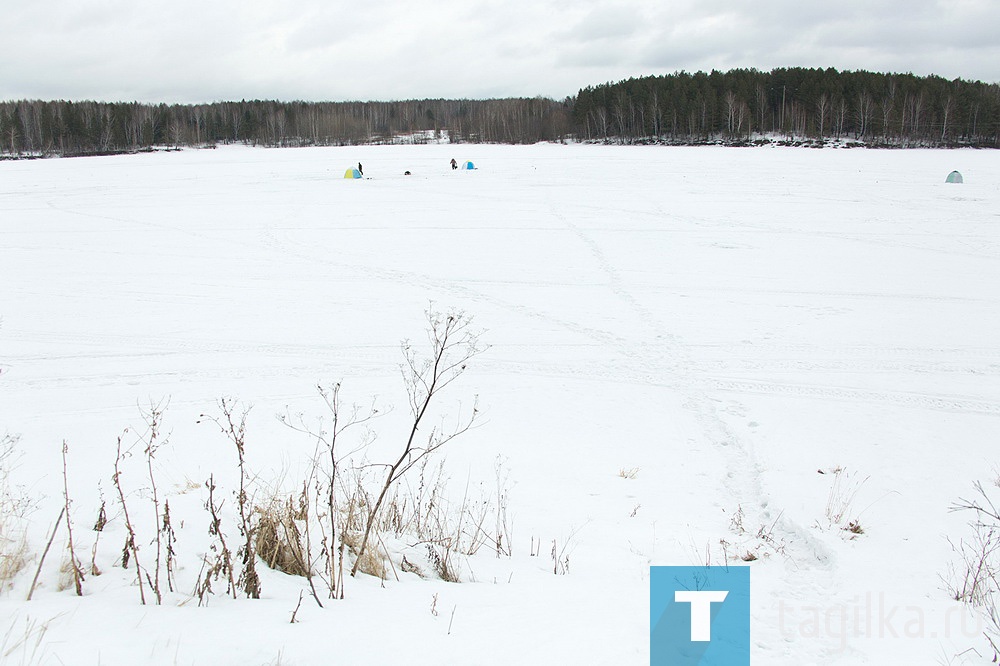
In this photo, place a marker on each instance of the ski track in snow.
(462, 291)
(665, 356)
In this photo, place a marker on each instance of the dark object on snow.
(406, 173)
(360, 170)
(454, 164)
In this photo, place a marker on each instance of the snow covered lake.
(696, 355)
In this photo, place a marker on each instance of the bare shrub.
(325, 476)
(99, 525)
(169, 538)
(560, 560)
(976, 579)
(71, 567)
(219, 561)
(15, 506)
(234, 426)
(147, 440)
(130, 549)
(346, 510)
(151, 441)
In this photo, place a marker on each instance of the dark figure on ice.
(360, 170)
(454, 164)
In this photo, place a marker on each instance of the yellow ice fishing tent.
(352, 173)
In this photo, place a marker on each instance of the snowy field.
(695, 355)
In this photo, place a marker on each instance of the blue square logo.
(699, 616)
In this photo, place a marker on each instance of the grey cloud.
(606, 23)
(876, 35)
(590, 56)
(189, 50)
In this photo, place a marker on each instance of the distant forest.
(818, 104)
(739, 107)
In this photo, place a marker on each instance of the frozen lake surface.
(760, 337)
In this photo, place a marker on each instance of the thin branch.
(41, 561)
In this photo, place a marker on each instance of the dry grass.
(67, 579)
(13, 551)
(441, 557)
(441, 532)
(752, 545)
(843, 490)
(24, 646)
(278, 538)
(371, 561)
(976, 580)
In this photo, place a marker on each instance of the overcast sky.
(210, 50)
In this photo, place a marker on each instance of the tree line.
(795, 103)
(738, 106)
(32, 127)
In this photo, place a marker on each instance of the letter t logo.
(701, 610)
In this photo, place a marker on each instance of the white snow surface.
(729, 326)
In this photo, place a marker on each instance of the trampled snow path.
(741, 486)
(733, 324)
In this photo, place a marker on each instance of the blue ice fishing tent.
(954, 177)
(352, 173)
(469, 165)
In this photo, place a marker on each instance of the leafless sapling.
(453, 344)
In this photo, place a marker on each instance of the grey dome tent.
(954, 177)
